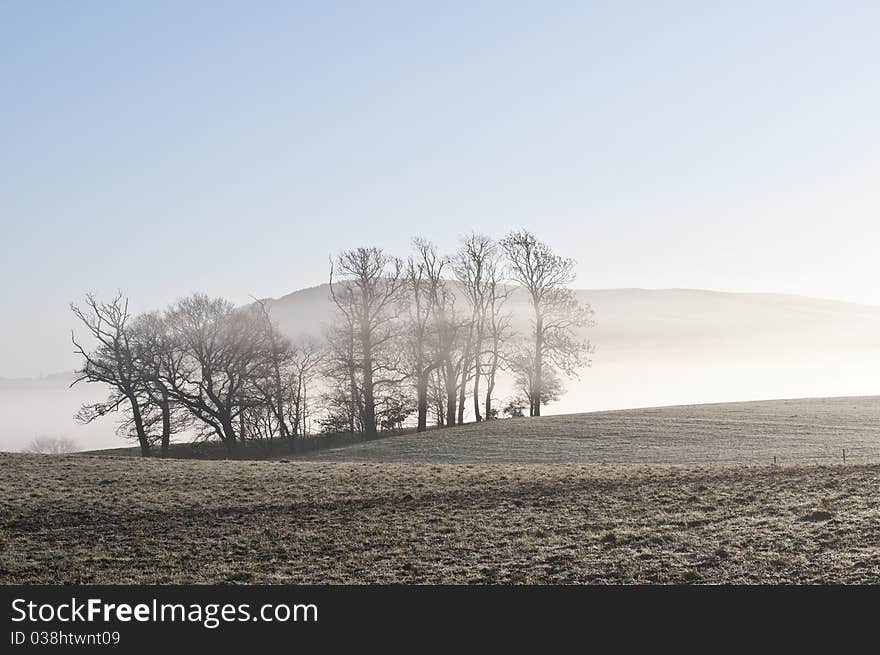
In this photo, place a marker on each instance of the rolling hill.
(784, 432)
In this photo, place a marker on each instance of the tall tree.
(367, 287)
(557, 314)
(424, 283)
(222, 353)
(498, 332)
(114, 362)
(475, 267)
(280, 355)
(343, 399)
(452, 351)
(437, 397)
(307, 356)
(155, 352)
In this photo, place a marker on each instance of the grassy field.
(111, 519)
(75, 519)
(793, 431)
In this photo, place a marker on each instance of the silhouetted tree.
(476, 268)
(437, 396)
(498, 333)
(368, 293)
(275, 386)
(452, 351)
(342, 395)
(556, 312)
(548, 390)
(424, 283)
(306, 359)
(155, 352)
(221, 355)
(114, 362)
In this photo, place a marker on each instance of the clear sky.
(165, 147)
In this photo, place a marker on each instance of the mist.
(684, 346)
(652, 348)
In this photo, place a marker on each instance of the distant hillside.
(658, 316)
(682, 346)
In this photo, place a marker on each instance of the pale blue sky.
(165, 147)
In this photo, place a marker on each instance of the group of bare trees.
(202, 365)
(425, 334)
(412, 337)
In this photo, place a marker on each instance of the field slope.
(793, 431)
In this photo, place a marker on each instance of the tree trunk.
(477, 416)
(369, 407)
(229, 438)
(279, 402)
(462, 395)
(422, 395)
(166, 422)
(490, 387)
(355, 404)
(539, 363)
(462, 390)
(450, 407)
(450, 380)
(303, 411)
(139, 425)
(439, 408)
(369, 398)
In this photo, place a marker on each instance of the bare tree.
(113, 362)
(306, 358)
(221, 354)
(156, 354)
(424, 283)
(369, 298)
(550, 388)
(498, 332)
(557, 314)
(275, 386)
(452, 351)
(343, 399)
(476, 268)
(437, 397)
